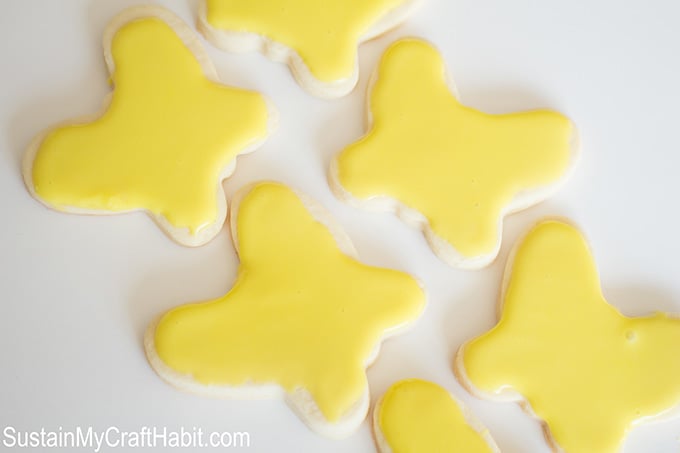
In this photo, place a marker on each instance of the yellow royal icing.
(419, 416)
(585, 369)
(457, 166)
(325, 34)
(163, 141)
(301, 314)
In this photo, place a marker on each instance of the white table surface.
(77, 292)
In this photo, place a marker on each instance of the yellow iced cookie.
(304, 318)
(169, 134)
(587, 371)
(418, 416)
(446, 168)
(317, 39)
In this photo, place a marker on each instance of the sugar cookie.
(166, 138)
(445, 168)
(318, 40)
(303, 320)
(585, 370)
(418, 416)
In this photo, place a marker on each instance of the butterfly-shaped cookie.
(303, 320)
(585, 370)
(168, 135)
(448, 169)
(317, 39)
(418, 416)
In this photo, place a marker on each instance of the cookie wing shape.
(418, 416)
(304, 317)
(587, 371)
(168, 136)
(318, 39)
(446, 168)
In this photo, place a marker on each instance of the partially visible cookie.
(317, 39)
(585, 370)
(445, 168)
(303, 320)
(168, 135)
(419, 416)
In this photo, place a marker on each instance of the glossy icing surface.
(163, 141)
(586, 370)
(419, 416)
(324, 33)
(302, 314)
(455, 165)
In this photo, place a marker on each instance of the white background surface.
(77, 292)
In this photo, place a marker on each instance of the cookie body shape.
(585, 370)
(445, 168)
(317, 39)
(419, 416)
(303, 320)
(168, 135)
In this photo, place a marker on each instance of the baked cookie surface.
(168, 135)
(585, 370)
(419, 416)
(448, 169)
(318, 39)
(303, 319)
